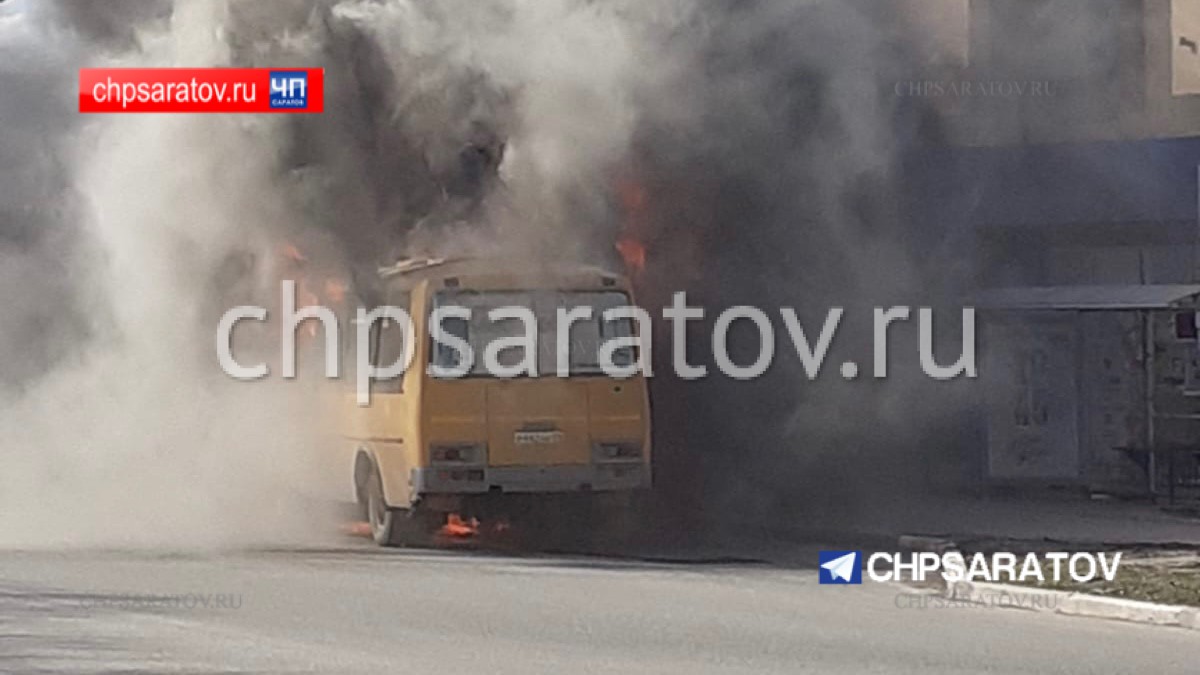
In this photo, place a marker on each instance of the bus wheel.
(381, 519)
(363, 473)
(394, 527)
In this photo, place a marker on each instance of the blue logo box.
(840, 567)
(289, 89)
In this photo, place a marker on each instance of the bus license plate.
(537, 437)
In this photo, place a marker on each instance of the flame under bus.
(428, 446)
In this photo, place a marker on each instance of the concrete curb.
(1065, 603)
(1073, 604)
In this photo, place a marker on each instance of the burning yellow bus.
(451, 439)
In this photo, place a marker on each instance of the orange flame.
(291, 252)
(356, 529)
(457, 527)
(634, 201)
(633, 253)
(333, 290)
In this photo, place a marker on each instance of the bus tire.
(381, 518)
(392, 526)
(363, 473)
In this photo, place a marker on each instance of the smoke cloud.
(130, 235)
(758, 133)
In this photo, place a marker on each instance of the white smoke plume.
(135, 438)
(126, 431)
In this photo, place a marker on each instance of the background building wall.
(1114, 69)
(1185, 33)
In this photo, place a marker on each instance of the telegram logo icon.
(841, 567)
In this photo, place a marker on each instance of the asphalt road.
(358, 609)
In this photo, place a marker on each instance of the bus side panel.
(617, 411)
(455, 411)
(385, 429)
(396, 463)
(389, 427)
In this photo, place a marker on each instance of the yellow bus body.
(544, 434)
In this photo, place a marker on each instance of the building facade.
(1070, 160)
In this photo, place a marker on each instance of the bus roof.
(500, 272)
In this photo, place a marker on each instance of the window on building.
(1185, 326)
(1185, 47)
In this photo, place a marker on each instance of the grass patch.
(1167, 580)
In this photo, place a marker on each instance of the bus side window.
(387, 348)
(444, 356)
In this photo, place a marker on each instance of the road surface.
(357, 609)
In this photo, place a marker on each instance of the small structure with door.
(1093, 386)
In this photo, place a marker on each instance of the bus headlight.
(456, 453)
(617, 452)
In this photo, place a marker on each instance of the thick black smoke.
(383, 160)
(786, 193)
(766, 137)
(37, 208)
(169, 220)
